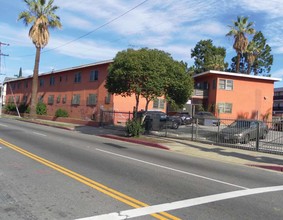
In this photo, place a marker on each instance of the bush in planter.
(134, 128)
(41, 108)
(61, 113)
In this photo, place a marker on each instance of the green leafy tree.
(239, 30)
(264, 59)
(42, 17)
(208, 57)
(257, 59)
(181, 85)
(147, 73)
(242, 64)
(251, 54)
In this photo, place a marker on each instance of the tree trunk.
(137, 105)
(238, 62)
(146, 105)
(35, 84)
(249, 69)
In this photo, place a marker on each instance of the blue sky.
(169, 25)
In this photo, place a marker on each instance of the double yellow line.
(93, 184)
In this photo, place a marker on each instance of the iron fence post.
(197, 129)
(218, 129)
(192, 130)
(257, 136)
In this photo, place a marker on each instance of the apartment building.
(278, 101)
(234, 95)
(79, 90)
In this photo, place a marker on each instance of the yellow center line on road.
(89, 182)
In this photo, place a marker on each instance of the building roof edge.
(237, 75)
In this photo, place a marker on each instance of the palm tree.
(215, 62)
(41, 16)
(252, 52)
(239, 30)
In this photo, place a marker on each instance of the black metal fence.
(115, 118)
(245, 134)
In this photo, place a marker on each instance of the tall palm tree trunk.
(249, 68)
(238, 62)
(35, 84)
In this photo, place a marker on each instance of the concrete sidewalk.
(212, 152)
(196, 149)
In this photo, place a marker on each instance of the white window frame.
(225, 108)
(158, 103)
(226, 84)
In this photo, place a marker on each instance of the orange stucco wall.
(251, 98)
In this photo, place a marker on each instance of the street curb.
(49, 125)
(135, 141)
(269, 167)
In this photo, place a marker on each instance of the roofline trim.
(62, 70)
(237, 75)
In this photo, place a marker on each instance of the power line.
(94, 30)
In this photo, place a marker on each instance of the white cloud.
(273, 8)
(84, 49)
(14, 35)
(76, 22)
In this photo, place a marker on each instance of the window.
(41, 82)
(76, 99)
(52, 80)
(225, 107)
(93, 75)
(64, 99)
(77, 77)
(40, 98)
(158, 103)
(92, 99)
(226, 84)
(58, 98)
(14, 86)
(25, 99)
(214, 84)
(11, 99)
(229, 84)
(17, 99)
(108, 98)
(50, 100)
(19, 85)
(26, 84)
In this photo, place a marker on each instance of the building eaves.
(77, 67)
(241, 75)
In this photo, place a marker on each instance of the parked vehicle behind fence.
(157, 120)
(243, 131)
(205, 118)
(185, 117)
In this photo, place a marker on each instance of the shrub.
(41, 108)
(24, 108)
(134, 128)
(61, 113)
(10, 107)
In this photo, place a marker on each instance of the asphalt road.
(50, 173)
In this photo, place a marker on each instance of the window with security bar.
(92, 99)
(76, 99)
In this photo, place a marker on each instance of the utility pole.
(2, 54)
